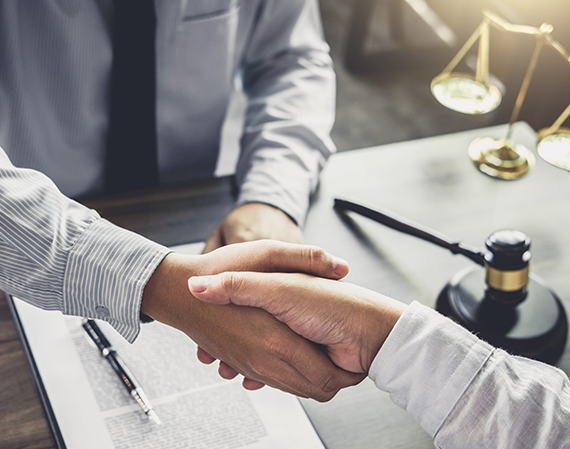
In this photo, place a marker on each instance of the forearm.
(464, 392)
(513, 403)
(426, 365)
(290, 84)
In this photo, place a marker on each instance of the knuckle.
(316, 257)
(260, 370)
(269, 254)
(328, 382)
(275, 350)
(279, 347)
(242, 236)
(323, 396)
(231, 282)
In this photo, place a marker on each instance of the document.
(198, 409)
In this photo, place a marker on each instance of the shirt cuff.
(426, 364)
(281, 177)
(266, 187)
(106, 272)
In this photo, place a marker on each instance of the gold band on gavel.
(507, 281)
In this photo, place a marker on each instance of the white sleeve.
(467, 394)
(59, 255)
(290, 84)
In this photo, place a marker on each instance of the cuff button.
(102, 311)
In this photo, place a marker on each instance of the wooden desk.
(431, 181)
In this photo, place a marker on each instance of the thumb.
(240, 288)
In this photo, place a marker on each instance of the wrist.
(168, 286)
(271, 208)
(383, 318)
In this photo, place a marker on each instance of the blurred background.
(387, 51)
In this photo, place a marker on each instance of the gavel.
(500, 300)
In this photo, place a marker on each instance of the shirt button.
(102, 311)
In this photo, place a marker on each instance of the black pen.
(127, 379)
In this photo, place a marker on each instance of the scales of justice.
(498, 298)
(474, 94)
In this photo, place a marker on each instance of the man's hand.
(253, 221)
(351, 322)
(249, 341)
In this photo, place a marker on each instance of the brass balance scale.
(474, 94)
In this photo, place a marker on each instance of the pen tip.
(153, 417)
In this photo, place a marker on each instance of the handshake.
(275, 313)
(279, 315)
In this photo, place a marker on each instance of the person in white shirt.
(464, 392)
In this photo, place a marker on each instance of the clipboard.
(36, 378)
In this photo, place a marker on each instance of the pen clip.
(95, 336)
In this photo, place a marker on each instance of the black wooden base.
(537, 328)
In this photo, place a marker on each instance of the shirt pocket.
(195, 74)
(196, 10)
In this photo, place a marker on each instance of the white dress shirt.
(467, 394)
(55, 65)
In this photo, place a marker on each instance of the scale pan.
(462, 93)
(555, 148)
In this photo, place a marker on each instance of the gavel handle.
(397, 223)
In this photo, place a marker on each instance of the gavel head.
(506, 305)
(507, 266)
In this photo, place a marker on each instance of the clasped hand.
(273, 312)
(249, 340)
(351, 323)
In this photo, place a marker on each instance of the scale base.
(536, 328)
(501, 159)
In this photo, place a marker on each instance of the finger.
(275, 256)
(308, 373)
(226, 371)
(204, 357)
(316, 261)
(214, 241)
(298, 365)
(249, 383)
(284, 378)
(321, 379)
(300, 380)
(252, 385)
(291, 380)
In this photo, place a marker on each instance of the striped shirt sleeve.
(59, 255)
